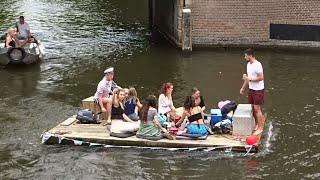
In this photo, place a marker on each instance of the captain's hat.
(109, 70)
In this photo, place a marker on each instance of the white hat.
(108, 70)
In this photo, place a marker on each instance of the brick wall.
(235, 22)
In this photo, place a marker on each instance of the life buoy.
(18, 57)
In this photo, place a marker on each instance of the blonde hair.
(11, 29)
(116, 91)
(116, 101)
(132, 95)
(126, 90)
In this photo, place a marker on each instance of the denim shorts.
(133, 117)
(22, 38)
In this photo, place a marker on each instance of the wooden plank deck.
(97, 133)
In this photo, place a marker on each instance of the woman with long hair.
(150, 126)
(121, 123)
(198, 99)
(165, 100)
(195, 117)
(132, 104)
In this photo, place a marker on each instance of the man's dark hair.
(249, 52)
(21, 17)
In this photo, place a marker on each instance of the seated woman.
(11, 39)
(198, 98)
(195, 117)
(131, 105)
(150, 126)
(121, 123)
(165, 101)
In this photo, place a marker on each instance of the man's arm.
(259, 77)
(29, 34)
(17, 29)
(115, 85)
(245, 84)
(28, 31)
(119, 87)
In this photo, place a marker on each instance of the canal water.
(83, 37)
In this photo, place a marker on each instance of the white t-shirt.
(23, 28)
(104, 87)
(252, 70)
(164, 104)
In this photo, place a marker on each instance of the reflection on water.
(84, 37)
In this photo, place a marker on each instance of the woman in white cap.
(103, 95)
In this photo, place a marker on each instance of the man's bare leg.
(259, 119)
(255, 117)
(109, 104)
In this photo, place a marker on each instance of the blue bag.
(162, 119)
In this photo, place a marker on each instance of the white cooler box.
(242, 121)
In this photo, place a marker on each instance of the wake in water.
(266, 143)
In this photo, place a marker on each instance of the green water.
(84, 37)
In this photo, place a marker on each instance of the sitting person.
(104, 89)
(131, 104)
(121, 123)
(23, 29)
(126, 91)
(150, 125)
(11, 39)
(197, 98)
(166, 106)
(195, 117)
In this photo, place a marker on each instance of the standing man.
(256, 87)
(23, 29)
(103, 95)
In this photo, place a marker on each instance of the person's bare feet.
(256, 128)
(168, 135)
(109, 122)
(257, 132)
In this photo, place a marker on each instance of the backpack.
(86, 116)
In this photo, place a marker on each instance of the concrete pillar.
(186, 30)
(179, 9)
(187, 3)
(151, 14)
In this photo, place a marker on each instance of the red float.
(251, 140)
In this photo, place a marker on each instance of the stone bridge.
(224, 23)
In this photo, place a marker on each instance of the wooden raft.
(97, 133)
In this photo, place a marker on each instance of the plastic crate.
(215, 116)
